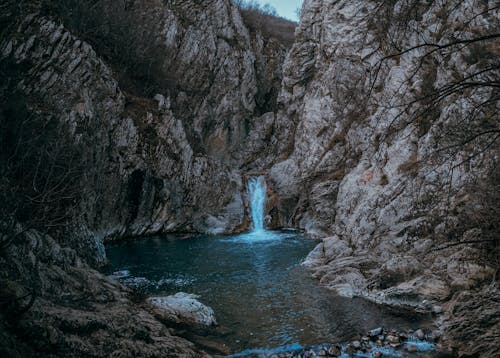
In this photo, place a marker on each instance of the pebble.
(420, 334)
(377, 354)
(435, 335)
(322, 352)
(375, 332)
(393, 339)
(350, 350)
(437, 309)
(356, 344)
(334, 351)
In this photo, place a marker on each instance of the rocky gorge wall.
(388, 155)
(90, 155)
(169, 160)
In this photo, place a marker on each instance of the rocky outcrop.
(382, 157)
(74, 311)
(184, 308)
(219, 77)
(134, 163)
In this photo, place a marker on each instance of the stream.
(257, 288)
(261, 295)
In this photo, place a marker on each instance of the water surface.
(256, 286)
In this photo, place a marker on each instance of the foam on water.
(266, 352)
(257, 197)
(261, 236)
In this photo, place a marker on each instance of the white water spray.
(257, 197)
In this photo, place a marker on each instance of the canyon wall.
(167, 163)
(390, 155)
(118, 119)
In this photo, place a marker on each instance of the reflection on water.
(255, 286)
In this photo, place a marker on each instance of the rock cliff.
(161, 164)
(92, 153)
(389, 152)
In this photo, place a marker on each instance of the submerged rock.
(184, 308)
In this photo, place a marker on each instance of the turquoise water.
(254, 282)
(257, 197)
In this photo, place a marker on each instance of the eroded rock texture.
(76, 312)
(393, 176)
(163, 164)
(93, 154)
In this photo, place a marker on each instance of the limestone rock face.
(145, 163)
(184, 308)
(169, 164)
(386, 182)
(222, 77)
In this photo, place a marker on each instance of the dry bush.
(272, 27)
(266, 20)
(41, 167)
(120, 35)
(483, 208)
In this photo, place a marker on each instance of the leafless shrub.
(265, 19)
(41, 168)
(118, 33)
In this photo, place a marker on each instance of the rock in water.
(375, 332)
(412, 348)
(393, 339)
(184, 308)
(334, 351)
(420, 334)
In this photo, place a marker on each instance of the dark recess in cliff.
(134, 193)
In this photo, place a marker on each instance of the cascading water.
(257, 196)
(255, 285)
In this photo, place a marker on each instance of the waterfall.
(257, 198)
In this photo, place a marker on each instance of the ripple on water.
(254, 282)
(260, 236)
(125, 278)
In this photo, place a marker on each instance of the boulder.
(184, 308)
